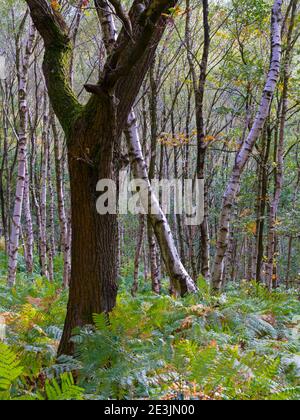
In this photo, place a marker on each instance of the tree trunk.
(138, 252)
(28, 228)
(289, 261)
(247, 147)
(64, 237)
(179, 278)
(51, 222)
(4, 197)
(92, 132)
(279, 153)
(153, 251)
(22, 158)
(262, 202)
(43, 191)
(199, 92)
(153, 258)
(93, 287)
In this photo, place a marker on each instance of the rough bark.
(91, 132)
(4, 196)
(139, 168)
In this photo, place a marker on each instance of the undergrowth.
(243, 344)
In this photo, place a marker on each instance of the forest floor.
(243, 344)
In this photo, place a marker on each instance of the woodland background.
(193, 116)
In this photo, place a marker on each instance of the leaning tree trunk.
(246, 149)
(180, 280)
(279, 153)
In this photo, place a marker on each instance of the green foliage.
(251, 11)
(10, 370)
(67, 390)
(227, 347)
(241, 344)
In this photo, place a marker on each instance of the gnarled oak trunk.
(93, 287)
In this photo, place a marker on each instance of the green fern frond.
(66, 390)
(10, 368)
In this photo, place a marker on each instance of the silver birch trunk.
(180, 279)
(270, 278)
(247, 147)
(51, 223)
(28, 228)
(135, 285)
(23, 69)
(43, 192)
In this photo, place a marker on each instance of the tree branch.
(57, 61)
(128, 51)
(122, 15)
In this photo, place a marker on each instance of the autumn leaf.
(251, 228)
(8, 317)
(174, 12)
(186, 324)
(246, 212)
(84, 4)
(55, 5)
(208, 139)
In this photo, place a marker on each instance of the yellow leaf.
(55, 5)
(251, 227)
(208, 139)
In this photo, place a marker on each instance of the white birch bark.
(22, 156)
(180, 279)
(51, 222)
(279, 170)
(138, 252)
(28, 228)
(43, 192)
(153, 260)
(247, 147)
